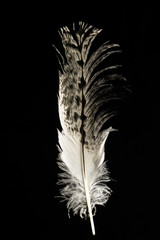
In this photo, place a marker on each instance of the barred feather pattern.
(83, 95)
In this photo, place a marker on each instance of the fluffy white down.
(71, 177)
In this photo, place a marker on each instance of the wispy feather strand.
(84, 106)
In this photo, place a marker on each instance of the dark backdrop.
(33, 212)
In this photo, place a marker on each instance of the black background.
(33, 212)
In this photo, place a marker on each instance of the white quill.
(83, 97)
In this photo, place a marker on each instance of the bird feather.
(84, 106)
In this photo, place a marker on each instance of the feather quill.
(84, 106)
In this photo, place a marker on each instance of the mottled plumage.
(85, 91)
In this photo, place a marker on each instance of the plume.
(88, 95)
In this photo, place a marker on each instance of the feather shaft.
(87, 190)
(84, 172)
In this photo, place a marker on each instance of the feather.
(85, 103)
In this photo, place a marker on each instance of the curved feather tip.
(85, 102)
